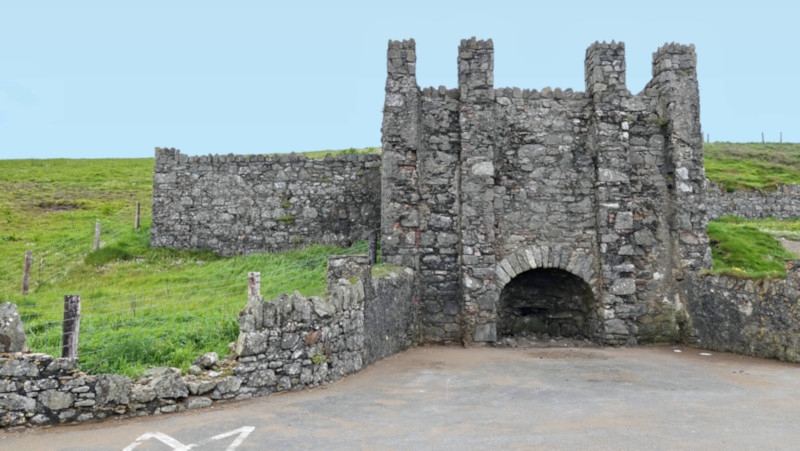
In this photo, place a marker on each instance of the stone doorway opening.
(547, 301)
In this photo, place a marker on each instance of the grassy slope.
(752, 165)
(141, 307)
(748, 248)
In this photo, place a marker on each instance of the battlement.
(605, 68)
(476, 69)
(402, 57)
(675, 57)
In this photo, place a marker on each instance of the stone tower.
(530, 212)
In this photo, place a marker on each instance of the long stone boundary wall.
(242, 204)
(758, 318)
(783, 203)
(289, 343)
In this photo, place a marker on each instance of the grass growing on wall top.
(748, 248)
(748, 166)
(352, 150)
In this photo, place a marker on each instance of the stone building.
(571, 213)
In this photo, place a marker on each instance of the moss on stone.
(385, 269)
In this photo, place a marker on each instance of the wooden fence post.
(97, 235)
(71, 327)
(373, 248)
(253, 285)
(27, 274)
(138, 209)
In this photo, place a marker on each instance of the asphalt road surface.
(486, 398)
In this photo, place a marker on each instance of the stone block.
(485, 333)
(623, 286)
(198, 403)
(12, 331)
(112, 388)
(55, 400)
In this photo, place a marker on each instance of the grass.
(752, 166)
(141, 307)
(748, 248)
(352, 150)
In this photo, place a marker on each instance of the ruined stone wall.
(474, 176)
(240, 204)
(758, 318)
(289, 343)
(390, 320)
(783, 203)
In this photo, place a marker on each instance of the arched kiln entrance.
(547, 301)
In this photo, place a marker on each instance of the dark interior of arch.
(547, 301)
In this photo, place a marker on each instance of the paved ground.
(455, 398)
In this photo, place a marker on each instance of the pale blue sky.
(85, 79)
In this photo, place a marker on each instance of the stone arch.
(547, 289)
(576, 261)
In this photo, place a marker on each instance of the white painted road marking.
(242, 433)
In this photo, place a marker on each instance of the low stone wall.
(289, 343)
(241, 204)
(783, 203)
(758, 318)
(391, 322)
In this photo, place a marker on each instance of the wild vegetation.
(143, 307)
(749, 248)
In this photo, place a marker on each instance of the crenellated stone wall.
(475, 175)
(242, 204)
(783, 203)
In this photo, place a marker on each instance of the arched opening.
(547, 301)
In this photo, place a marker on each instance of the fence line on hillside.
(53, 260)
(124, 326)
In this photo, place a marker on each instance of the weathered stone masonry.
(481, 185)
(241, 204)
(783, 203)
(754, 317)
(288, 343)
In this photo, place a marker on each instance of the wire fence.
(52, 260)
(169, 325)
(166, 323)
